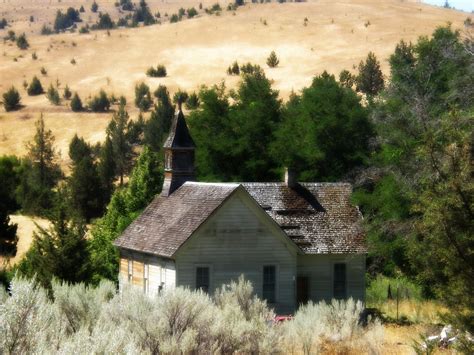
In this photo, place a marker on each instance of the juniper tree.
(143, 97)
(53, 95)
(35, 87)
(76, 103)
(272, 60)
(11, 99)
(9, 176)
(100, 103)
(346, 78)
(67, 93)
(94, 7)
(159, 123)
(107, 169)
(22, 42)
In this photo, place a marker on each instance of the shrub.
(192, 12)
(66, 20)
(81, 9)
(180, 97)
(11, 36)
(35, 87)
(22, 42)
(105, 22)
(76, 103)
(347, 79)
(34, 56)
(73, 61)
(11, 99)
(174, 18)
(99, 103)
(192, 102)
(159, 72)
(84, 29)
(67, 93)
(43, 71)
(143, 97)
(272, 60)
(46, 30)
(3, 24)
(250, 68)
(53, 95)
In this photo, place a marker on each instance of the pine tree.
(117, 131)
(180, 97)
(11, 99)
(107, 169)
(60, 251)
(272, 60)
(346, 79)
(8, 237)
(370, 79)
(53, 95)
(94, 7)
(76, 103)
(158, 126)
(40, 172)
(142, 97)
(35, 87)
(67, 93)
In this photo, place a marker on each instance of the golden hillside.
(195, 51)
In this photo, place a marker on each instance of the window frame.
(146, 277)
(209, 270)
(344, 296)
(275, 286)
(130, 270)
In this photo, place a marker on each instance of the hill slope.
(198, 51)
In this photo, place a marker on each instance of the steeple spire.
(179, 155)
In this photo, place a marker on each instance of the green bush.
(382, 288)
(174, 18)
(11, 99)
(35, 87)
(192, 12)
(143, 97)
(67, 93)
(272, 60)
(3, 24)
(159, 72)
(192, 102)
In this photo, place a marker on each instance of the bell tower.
(179, 155)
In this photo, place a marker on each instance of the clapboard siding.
(237, 240)
(161, 271)
(320, 270)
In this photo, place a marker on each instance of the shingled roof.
(318, 217)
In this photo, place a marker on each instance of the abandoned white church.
(294, 241)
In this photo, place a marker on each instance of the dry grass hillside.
(195, 51)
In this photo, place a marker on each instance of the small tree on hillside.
(346, 79)
(8, 237)
(11, 99)
(76, 103)
(94, 7)
(53, 95)
(67, 93)
(143, 97)
(180, 97)
(22, 42)
(272, 60)
(370, 79)
(35, 87)
(192, 102)
(100, 103)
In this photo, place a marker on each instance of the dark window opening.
(269, 283)
(339, 281)
(202, 279)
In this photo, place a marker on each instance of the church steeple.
(179, 155)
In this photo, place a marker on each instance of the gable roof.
(317, 217)
(169, 221)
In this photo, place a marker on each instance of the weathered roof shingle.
(318, 217)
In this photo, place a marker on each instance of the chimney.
(290, 178)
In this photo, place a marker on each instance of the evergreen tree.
(117, 131)
(346, 79)
(272, 60)
(40, 172)
(8, 237)
(76, 103)
(67, 93)
(22, 42)
(370, 79)
(60, 251)
(105, 22)
(180, 97)
(35, 87)
(94, 7)
(142, 97)
(11, 99)
(9, 177)
(192, 102)
(126, 204)
(107, 169)
(53, 95)
(100, 103)
(84, 183)
(159, 124)
(316, 144)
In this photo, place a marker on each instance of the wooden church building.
(294, 241)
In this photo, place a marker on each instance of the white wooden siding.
(320, 270)
(237, 240)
